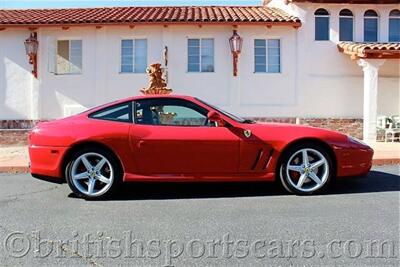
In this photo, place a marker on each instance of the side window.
(169, 112)
(394, 25)
(345, 25)
(120, 112)
(321, 25)
(201, 55)
(371, 26)
(133, 55)
(267, 55)
(69, 57)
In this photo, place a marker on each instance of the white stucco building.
(294, 63)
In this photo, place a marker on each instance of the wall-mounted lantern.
(235, 43)
(31, 49)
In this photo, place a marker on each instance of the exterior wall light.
(31, 49)
(235, 43)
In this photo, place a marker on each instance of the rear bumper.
(46, 161)
(356, 161)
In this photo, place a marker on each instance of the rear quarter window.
(120, 112)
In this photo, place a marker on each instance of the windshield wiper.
(248, 121)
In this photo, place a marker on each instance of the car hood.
(289, 132)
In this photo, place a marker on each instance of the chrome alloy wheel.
(307, 170)
(92, 174)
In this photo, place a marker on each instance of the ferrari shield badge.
(247, 133)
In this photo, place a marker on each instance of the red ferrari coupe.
(182, 138)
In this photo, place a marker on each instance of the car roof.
(133, 98)
(161, 96)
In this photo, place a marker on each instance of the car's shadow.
(375, 182)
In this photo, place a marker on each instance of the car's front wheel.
(92, 173)
(306, 169)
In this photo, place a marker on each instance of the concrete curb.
(25, 169)
(389, 161)
(14, 169)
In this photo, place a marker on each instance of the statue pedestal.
(156, 91)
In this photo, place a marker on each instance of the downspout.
(296, 71)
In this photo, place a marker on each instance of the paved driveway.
(355, 223)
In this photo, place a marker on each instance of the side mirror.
(215, 117)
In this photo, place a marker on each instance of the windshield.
(233, 117)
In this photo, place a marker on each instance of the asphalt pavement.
(355, 223)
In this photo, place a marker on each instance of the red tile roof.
(370, 50)
(137, 15)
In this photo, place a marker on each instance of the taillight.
(34, 131)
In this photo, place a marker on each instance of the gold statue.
(157, 86)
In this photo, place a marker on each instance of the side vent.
(268, 159)
(259, 155)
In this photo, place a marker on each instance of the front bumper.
(354, 160)
(46, 161)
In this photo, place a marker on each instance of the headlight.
(356, 141)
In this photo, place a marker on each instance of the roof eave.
(370, 53)
(295, 24)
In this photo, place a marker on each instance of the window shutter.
(51, 54)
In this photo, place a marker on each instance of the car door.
(173, 136)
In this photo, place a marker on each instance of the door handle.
(140, 143)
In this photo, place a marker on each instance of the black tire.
(287, 181)
(115, 168)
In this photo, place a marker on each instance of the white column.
(370, 68)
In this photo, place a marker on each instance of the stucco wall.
(250, 94)
(316, 80)
(15, 76)
(333, 78)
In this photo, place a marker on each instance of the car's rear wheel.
(93, 173)
(306, 169)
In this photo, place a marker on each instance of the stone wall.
(17, 124)
(15, 132)
(353, 127)
(13, 137)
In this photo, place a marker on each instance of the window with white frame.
(394, 25)
(321, 25)
(267, 55)
(69, 57)
(201, 55)
(345, 25)
(133, 55)
(370, 26)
